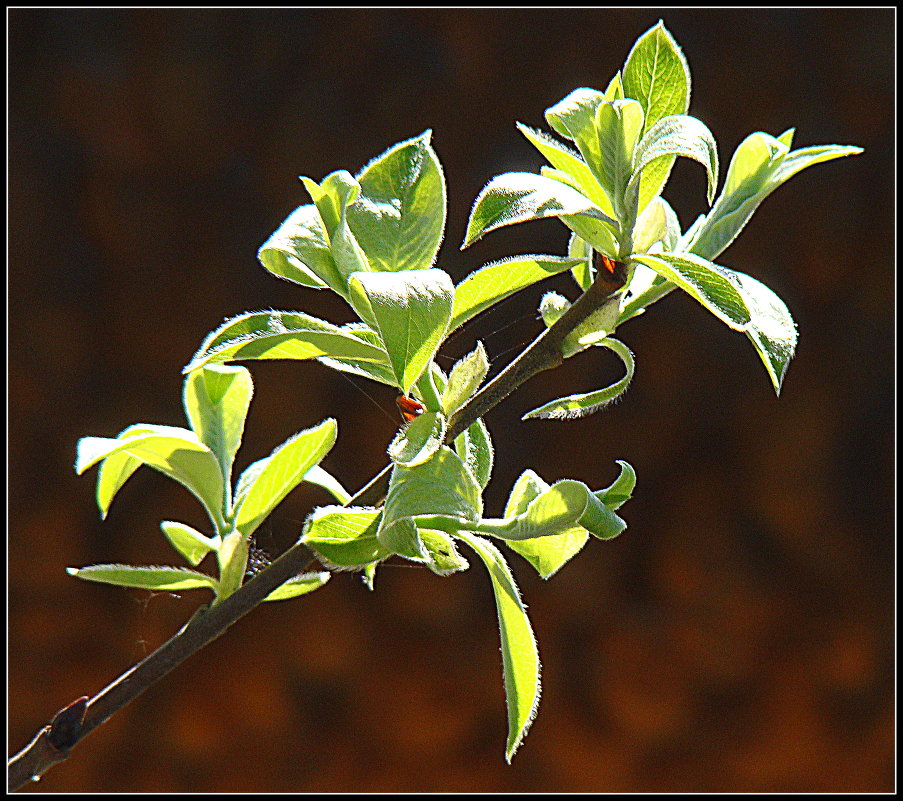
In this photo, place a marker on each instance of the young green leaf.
(547, 554)
(500, 279)
(584, 404)
(216, 400)
(615, 88)
(556, 510)
(285, 335)
(566, 160)
(376, 371)
(474, 447)
(299, 585)
(441, 486)
(410, 310)
(344, 537)
(146, 578)
(175, 452)
(584, 272)
(706, 282)
(278, 474)
(335, 193)
(317, 475)
(742, 302)
(466, 375)
(760, 165)
(597, 234)
(619, 124)
(441, 555)
(399, 217)
(418, 440)
(520, 657)
(621, 489)
(189, 542)
(676, 135)
(771, 328)
(574, 117)
(656, 223)
(517, 197)
(657, 74)
(116, 469)
(299, 250)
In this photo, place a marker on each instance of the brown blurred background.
(737, 637)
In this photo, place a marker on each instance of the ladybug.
(409, 407)
(606, 263)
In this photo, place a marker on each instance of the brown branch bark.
(73, 723)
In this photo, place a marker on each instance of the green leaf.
(376, 371)
(285, 335)
(216, 400)
(520, 657)
(335, 193)
(574, 117)
(145, 578)
(740, 301)
(676, 135)
(596, 233)
(116, 469)
(584, 404)
(279, 473)
(344, 537)
(410, 310)
(563, 158)
(500, 279)
(299, 585)
(175, 452)
(584, 272)
(399, 217)
(474, 447)
(188, 541)
(516, 197)
(443, 485)
(299, 250)
(418, 440)
(466, 375)
(620, 490)
(557, 510)
(619, 124)
(369, 576)
(706, 282)
(657, 74)
(317, 475)
(442, 556)
(615, 89)
(807, 156)
(771, 328)
(657, 223)
(595, 327)
(547, 554)
(760, 165)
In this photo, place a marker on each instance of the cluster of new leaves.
(608, 193)
(373, 239)
(216, 400)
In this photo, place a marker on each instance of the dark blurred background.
(737, 637)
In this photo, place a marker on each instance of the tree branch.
(70, 725)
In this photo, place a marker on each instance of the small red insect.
(409, 407)
(607, 263)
